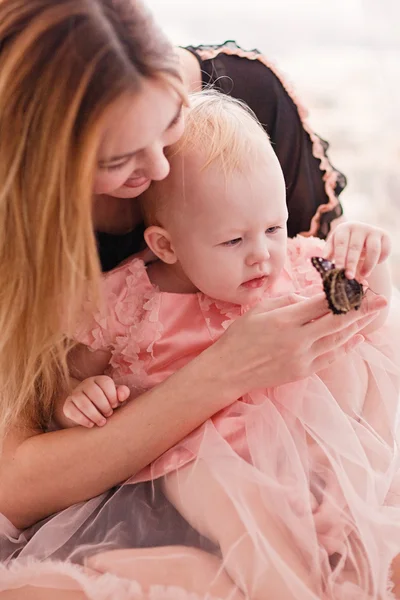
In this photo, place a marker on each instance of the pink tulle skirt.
(305, 472)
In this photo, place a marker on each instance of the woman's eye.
(112, 167)
(176, 120)
(232, 242)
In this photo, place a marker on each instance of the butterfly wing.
(354, 293)
(341, 293)
(322, 265)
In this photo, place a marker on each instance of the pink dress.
(322, 452)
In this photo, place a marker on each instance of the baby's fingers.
(123, 393)
(329, 248)
(355, 248)
(74, 414)
(88, 409)
(106, 394)
(338, 245)
(377, 249)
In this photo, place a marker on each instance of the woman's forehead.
(135, 121)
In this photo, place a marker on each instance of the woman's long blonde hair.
(62, 63)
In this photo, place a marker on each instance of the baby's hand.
(93, 400)
(358, 248)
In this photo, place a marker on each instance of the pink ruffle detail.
(305, 277)
(128, 325)
(59, 576)
(230, 311)
(330, 176)
(138, 313)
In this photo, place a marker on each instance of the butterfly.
(342, 294)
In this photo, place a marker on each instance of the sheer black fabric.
(253, 82)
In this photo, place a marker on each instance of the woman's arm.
(287, 339)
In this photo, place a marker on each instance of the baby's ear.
(160, 243)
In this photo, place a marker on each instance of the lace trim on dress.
(59, 575)
(129, 323)
(331, 176)
(138, 311)
(225, 309)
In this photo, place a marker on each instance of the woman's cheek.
(176, 133)
(107, 181)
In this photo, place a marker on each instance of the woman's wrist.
(212, 370)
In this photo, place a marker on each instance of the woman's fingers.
(278, 344)
(270, 304)
(341, 336)
(326, 359)
(305, 311)
(331, 323)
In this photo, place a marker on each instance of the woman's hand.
(286, 339)
(280, 341)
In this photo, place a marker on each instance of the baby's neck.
(170, 278)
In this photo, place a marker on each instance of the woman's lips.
(135, 182)
(257, 282)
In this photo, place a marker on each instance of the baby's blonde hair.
(220, 128)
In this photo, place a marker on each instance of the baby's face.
(229, 233)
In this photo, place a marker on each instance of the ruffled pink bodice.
(151, 334)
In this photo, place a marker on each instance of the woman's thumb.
(269, 304)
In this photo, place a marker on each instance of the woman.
(90, 95)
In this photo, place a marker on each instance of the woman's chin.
(129, 192)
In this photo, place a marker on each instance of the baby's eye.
(272, 229)
(232, 242)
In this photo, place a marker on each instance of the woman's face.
(137, 129)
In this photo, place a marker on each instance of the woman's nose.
(157, 165)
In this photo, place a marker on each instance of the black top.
(247, 76)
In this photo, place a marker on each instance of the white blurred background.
(343, 58)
